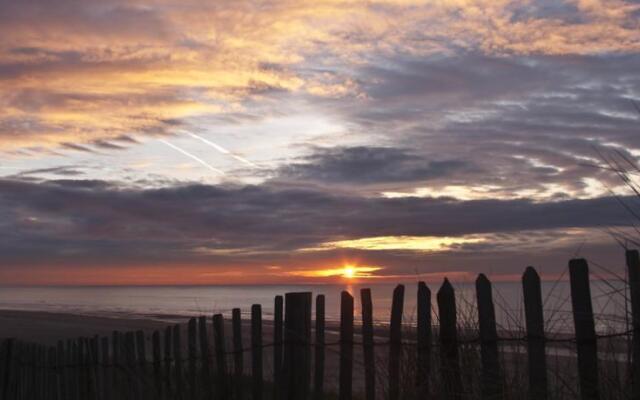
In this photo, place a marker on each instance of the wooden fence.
(119, 367)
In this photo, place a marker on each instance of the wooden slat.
(192, 348)
(367, 345)
(297, 346)
(584, 323)
(278, 322)
(238, 359)
(205, 357)
(450, 366)
(141, 370)
(177, 364)
(168, 362)
(345, 389)
(423, 371)
(536, 352)
(221, 357)
(491, 385)
(633, 269)
(157, 365)
(318, 376)
(395, 340)
(256, 352)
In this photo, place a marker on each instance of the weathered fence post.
(157, 365)
(6, 369)
(256, 352)
(116, 360)
(586, 339)
(221, 357)
(395, 342)
(192, 349)
(168, 344)
(318, 377)
(633, 268)
(297, 338)
(133, 384)
(424, 340)
(367, 345)
(277, 345)
(205, 355)
(449, 342)
(177, 365)
(346, 346)
(536, 352)
(491, 372)
(142, 365)
(238, 365)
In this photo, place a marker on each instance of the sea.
(172, 303)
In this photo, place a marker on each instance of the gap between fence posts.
(586, 340)
(536, 348)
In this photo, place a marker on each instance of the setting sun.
(349, 272)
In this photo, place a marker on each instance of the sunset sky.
(230, 141)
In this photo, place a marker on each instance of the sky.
(231, 141)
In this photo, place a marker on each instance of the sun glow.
(347, 272)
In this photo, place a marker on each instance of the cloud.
(66, 222)
(367, 165)
(91, 71)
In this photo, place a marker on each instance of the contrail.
(173, 146)
(222, 150)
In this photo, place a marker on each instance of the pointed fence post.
(367, 344)
(256, 352)
(205, 354)
(318, 378)
(238, 365)
(297, 346)
(157, 365)
(142, 365)
(633, 269)
(278, 321)
(450, 364)
(424, 340)
(346, 346)
(395, 342)
(586, 339)
(177, 366)
(221, 357)
(192, 348)
(168, 361)
(536, 352)
(491, 372)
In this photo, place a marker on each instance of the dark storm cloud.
(84, 219)
(368, 165)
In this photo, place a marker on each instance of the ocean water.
(170, 302)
